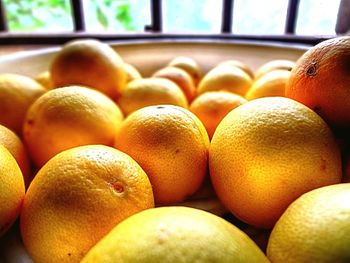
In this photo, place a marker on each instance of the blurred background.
(246, 17)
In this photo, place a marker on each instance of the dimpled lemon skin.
(314, 228)
(171, 144)
(16, 147)
(11, 190)
(69, 117)
(266, 153)
(175, 234)
(78, 197)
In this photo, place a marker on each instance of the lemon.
(266, 153)
(314, 228)
(175, 234)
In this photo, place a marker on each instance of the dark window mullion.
(227, 16)
(156, 17)
(78, 15)
(292, 13)
(3, 20)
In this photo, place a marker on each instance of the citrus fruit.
(239, 64)
(175, 234)
(321, 80)
(270, 84)
(266, 153)
(181, 78)
(15, 146)
(282, 64)
(17, 93)
(67, 117)
(314, 228)
(11, 189)
(189, 65)
(144, 92)
(212, 106)
(77, 197)
(171, 145)
(225, 77)
(44, 78)
(90, 63)
(131, 72)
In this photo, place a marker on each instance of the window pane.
(259, 17)
(39, 15)
(195, 16)
(317, 17)
(117, 15)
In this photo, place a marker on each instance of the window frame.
(153, 32)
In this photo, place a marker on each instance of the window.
(259, 17)
(38, 15)
(116, 16)
(195, 16)
(317, 17)
(305, 21)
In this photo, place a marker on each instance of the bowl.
(149, 56)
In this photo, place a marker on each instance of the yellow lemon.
(175, 234)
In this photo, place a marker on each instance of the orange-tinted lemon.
(270, 84)
(171, 145)
(11, 189)
(181, 78)
(144, 92)
(282, 64)
(239, 64)
(189, 65)
(14, 144)
(266, 153)
(17, 93)
(212, 106)
(321, 80)
(91, 63)
(225, 77)
(78, 197)
(68, 117)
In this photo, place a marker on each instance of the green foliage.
(123, 15)
(101, 17)
(114, 14)
(44, 15)
(34, 15)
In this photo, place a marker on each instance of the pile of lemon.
(100, 164)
